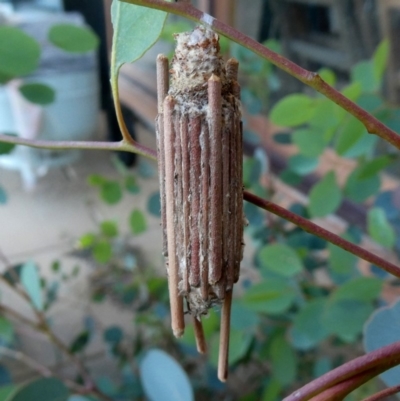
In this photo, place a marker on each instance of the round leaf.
(328, 76)
(153, 204)
(109, 228)
(346, 317)
(379, 228)
(111, 192)
(280, 259)
(163, 379)
(307, 330)
(293, 110)
(72, 38)
(325, 196)
(350, 133)
(102, 251)
(19, 53)
(341, 261)
(310, 142)
(49, 389)
(137, 222)
(283, 361)
(360, 189)
(383, 328)
(302, 165)
(38, 93)
(271, 296)
(361, 288)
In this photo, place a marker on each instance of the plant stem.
(320, 232)
(37, 367)
(382, 395)
(91, 145)
(362, 368)
(312, 79)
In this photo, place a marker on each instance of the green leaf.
(302, 165)
(137, 222)
(379, 227)
(364, 73)
(96, 180)
(252, 170)
(113, 335)
(30, 280)
(359, 190)
(87, 240)
(6, 391)
(272, 296)
(49, 389)
(6, 330)
(325, 196)
(283, 361)
(373, 167)
(360, 288)
(310, 142)
(307, 330)
(153, 204)
(73, 38)
(341, 261)
(38, 93)
(19, 53)
(346, 317)
(131, 184)
(142, 25)
(328, 76)
(350, 133)
(352, 92)
(109, 228)
(80, 342)
(6, 147)
(293, 110)
(111, 192)
(102, 251)
(280, 259)
(325, 118)
(380, 59)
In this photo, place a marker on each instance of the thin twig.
(90, 145)
(312, 79)
(320, 232)
(382, 395)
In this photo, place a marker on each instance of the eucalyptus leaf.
(38, 93)
(19, 52)
(163, 379)
(48, 389)
(30, 280)
(293, 110)
(325, 196)
(73, 38)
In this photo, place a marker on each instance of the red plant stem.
(312, 79)
(373, 363)
(382, 395)
(342, 389)
(320, 232)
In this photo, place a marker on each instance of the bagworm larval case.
(199, 135)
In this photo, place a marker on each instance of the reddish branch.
(320, 232)
(349, 376)
(312, 79)
(382, 395)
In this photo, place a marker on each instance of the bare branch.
(320, 232)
